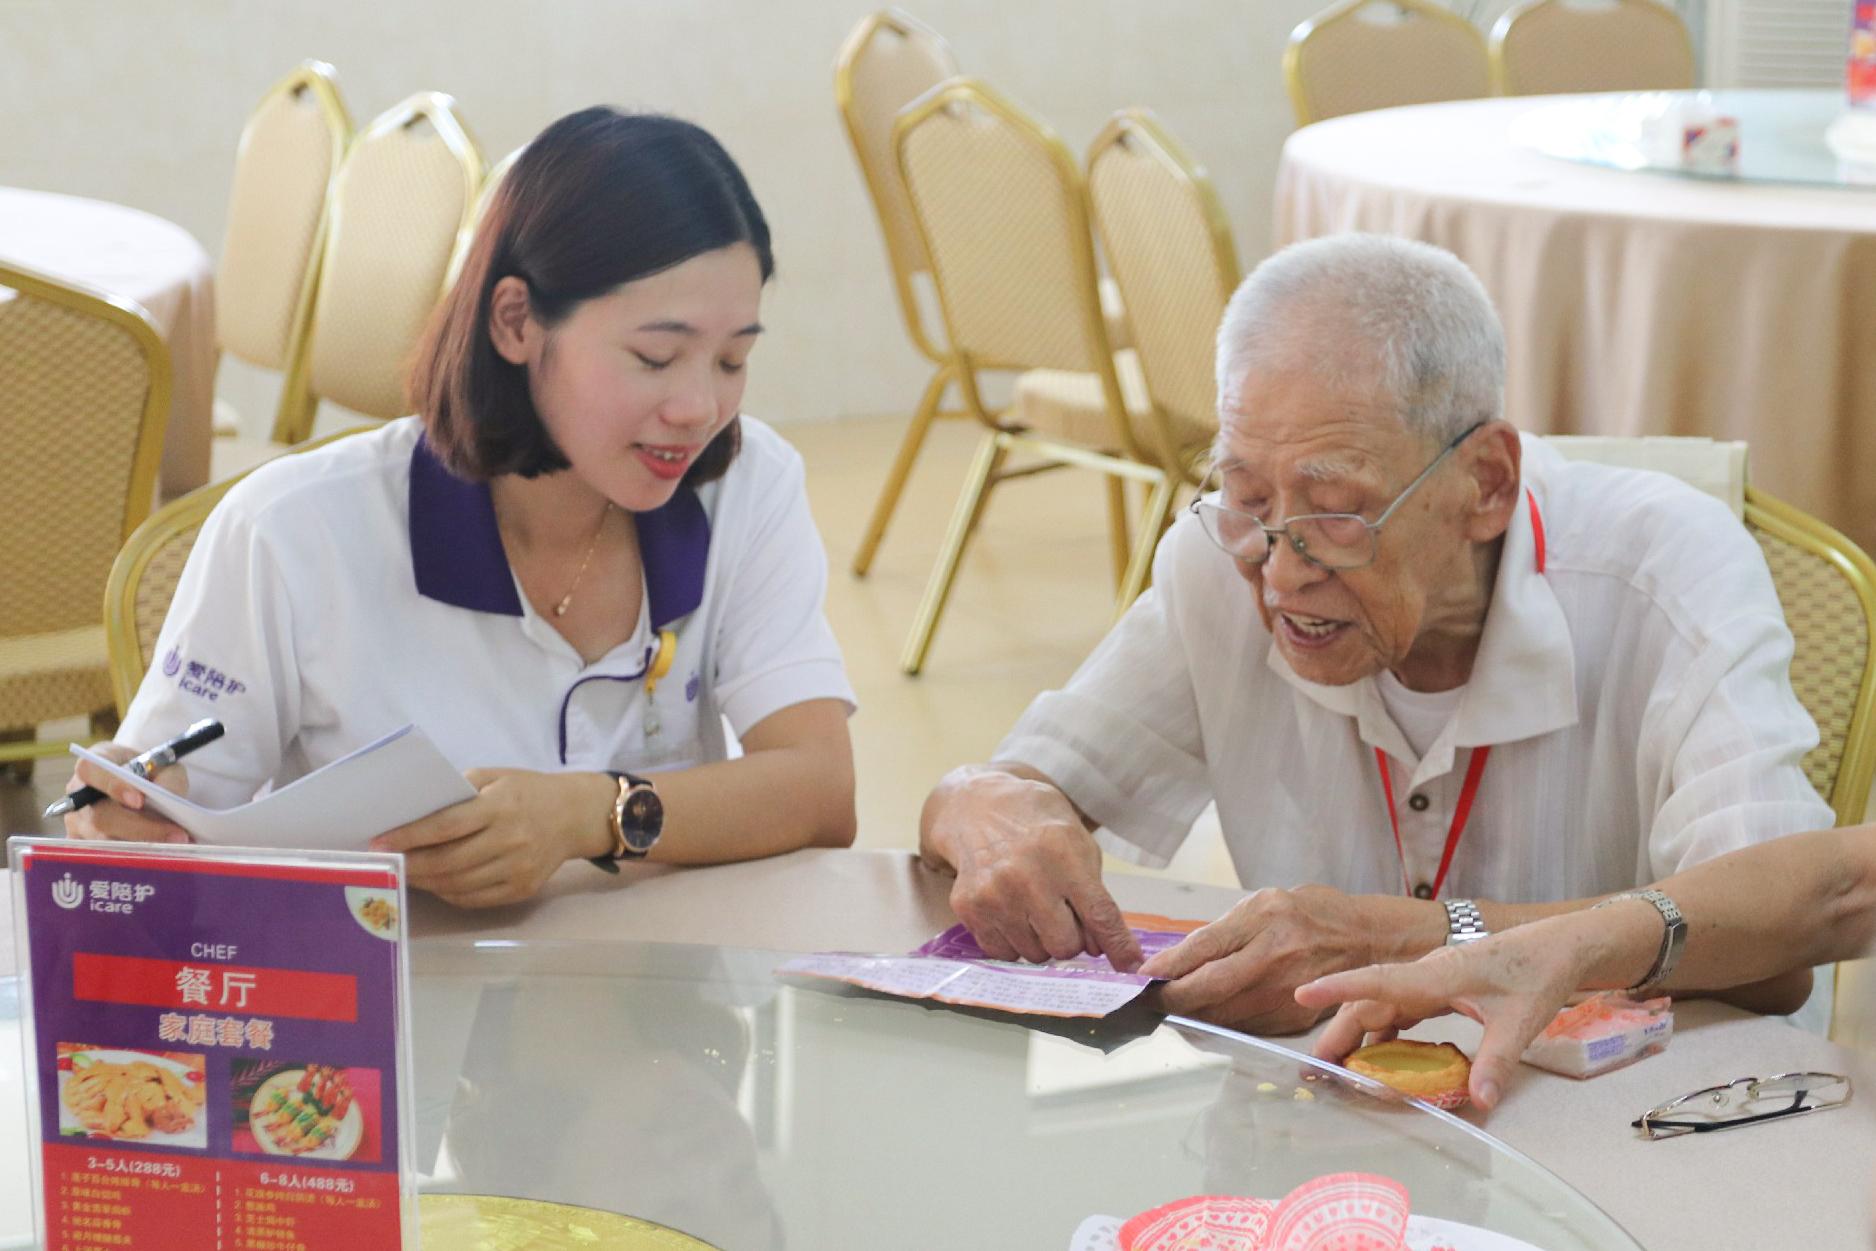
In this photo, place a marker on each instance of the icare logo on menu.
(69, 893)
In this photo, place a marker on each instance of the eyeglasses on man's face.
(1335, 541)
(1747, 1101)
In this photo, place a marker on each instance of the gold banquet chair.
(1168, 243)
(144, 576)
(460, 253)
(889, 60)
(1546, 47)
(402, 197)
(84, 399)
(999, 204)
(290, 148)
(1827, 587)
(1377, 54)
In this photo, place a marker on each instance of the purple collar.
(457, 554)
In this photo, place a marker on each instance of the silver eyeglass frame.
(1199, 505)
(1656, 1122)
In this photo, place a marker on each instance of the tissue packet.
(1605, 1031)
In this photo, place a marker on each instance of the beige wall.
(140, 102)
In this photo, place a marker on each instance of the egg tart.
(1435, 1072)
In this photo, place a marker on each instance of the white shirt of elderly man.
(1415, 657)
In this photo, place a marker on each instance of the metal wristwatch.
(1673, 935)
(636, 821)
(1464, 924)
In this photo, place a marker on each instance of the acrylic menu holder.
(216, 1047)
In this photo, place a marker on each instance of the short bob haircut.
(600, 198)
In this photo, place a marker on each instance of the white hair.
(1364, 310)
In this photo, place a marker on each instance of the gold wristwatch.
(636, 821)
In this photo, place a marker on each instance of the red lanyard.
(1474, 770)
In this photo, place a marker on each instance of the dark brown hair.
(598, 199)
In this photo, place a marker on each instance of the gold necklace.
(566, 601)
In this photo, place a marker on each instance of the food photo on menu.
(151, 1098)
(309, 1111)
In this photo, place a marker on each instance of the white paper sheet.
(341, 807)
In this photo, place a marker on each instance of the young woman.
(571, 567)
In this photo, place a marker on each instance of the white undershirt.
(1421, 715)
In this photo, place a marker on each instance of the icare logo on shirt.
(199, 679)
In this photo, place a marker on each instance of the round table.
(692, 1087)
(696, 1008)
(1634, 302)
(139, 257)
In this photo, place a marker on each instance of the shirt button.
(1423, 891)
(1418, 802)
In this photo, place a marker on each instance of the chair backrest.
(1827, 586)
(889, 60)
(290, 148)
(143, 578)
(1544, 47)
(999, 204)
(1168, 245)
(1375, 54)
(401, 198)
(84, 399)
(1715, 466)
(490, 184)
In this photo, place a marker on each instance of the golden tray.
(496, 1223)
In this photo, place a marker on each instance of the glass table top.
(691, 1087)
(1781, 134)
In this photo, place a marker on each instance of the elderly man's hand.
(1512, 983)
(1243, 969)
(1028, 871)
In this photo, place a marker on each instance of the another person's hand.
(503, 845)
(122, 815)
(1512, 983)
(1028, 871)
(1242, 970)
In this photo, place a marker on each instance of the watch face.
(643, 819)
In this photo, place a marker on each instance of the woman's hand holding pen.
(122, 815)
(503, 845)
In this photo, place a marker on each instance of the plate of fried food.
(375, 910)
(307, 1112)
(153, 1098)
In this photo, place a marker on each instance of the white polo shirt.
(339, 594)
(1635, 696)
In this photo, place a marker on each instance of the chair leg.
(1152, 525)
(970, 508)
(294, 418)
(1118, 544)
(909, 448)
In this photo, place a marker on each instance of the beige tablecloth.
(128, 253)
(1804, 1183)
(1634, 303)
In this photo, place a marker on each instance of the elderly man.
(1438, 680)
